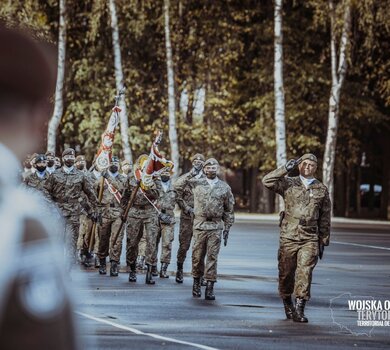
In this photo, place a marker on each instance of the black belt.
(142, 207)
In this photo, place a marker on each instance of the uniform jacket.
(65, 190)
(212, 205)
(141, 207)
(110, 204)
(33, 180)
(307, 210)
(167, 200)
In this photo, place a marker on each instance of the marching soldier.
(213, 217)
(166, 203)
(305, 230)
(50, 158)
(114, 185)
(185, 200)
(142, 216)
(64, 187)
(37, 178)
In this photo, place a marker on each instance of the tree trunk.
(124, 122)
(59, 102)
(171, 93)
(338, 76)
(280, 125)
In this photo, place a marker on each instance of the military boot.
(133, 273)
(196, 291)
(288, 308)
(179, 273)
(97, 262)
(149, 278)
(203, 282)
(163, 270)
(102, 267)
(154, 271)
(141, 262)
(209, 294)
(114, 269)
(299, 315)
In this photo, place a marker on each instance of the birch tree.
(280, 125)
(171, 93)
(59, 102)
(339, 71)
(124, 123)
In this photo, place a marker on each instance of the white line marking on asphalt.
(362, 245)
(136, 331)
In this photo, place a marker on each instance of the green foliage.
(224, 48)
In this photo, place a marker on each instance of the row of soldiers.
(93, 205)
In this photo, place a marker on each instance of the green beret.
(210, 161)
(309, 156)
(198, 156)
(80, 158)
(68, 151)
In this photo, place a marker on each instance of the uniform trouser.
(185, 236)
(108, 231)
(134, 233)
(166, 235)
(297, 260)
(71, 234)
(206, 244)
(85, 229)
(142, 244)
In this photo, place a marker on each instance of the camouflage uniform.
(111, 216)
(142, 217)
(85, 221)
(306, 221)
(166, 203)
(65, 189)
(213, 212)
(185, 200)
(34, 181)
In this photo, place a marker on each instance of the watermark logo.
(359, 315)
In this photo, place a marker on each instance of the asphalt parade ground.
(247, 313)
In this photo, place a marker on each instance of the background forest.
(223, 62)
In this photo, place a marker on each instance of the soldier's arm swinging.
(228, 215)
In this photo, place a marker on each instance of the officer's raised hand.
(291, 164)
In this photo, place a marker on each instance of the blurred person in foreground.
(35, 307)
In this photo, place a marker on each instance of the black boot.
(114, 269)
(133, 273)
(149, 278)
(203, 282)
(163, 270)
(288, 308)
(154, 271)
(102, 267)
(179, 273)
(209, 294)
(196, 291)
(299, 315)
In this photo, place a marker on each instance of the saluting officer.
(305, 230)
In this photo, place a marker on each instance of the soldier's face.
(69, 160)
(307, 168)
(211, 171)
(50, 161)
(197, 164)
